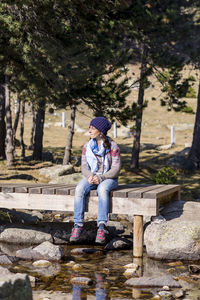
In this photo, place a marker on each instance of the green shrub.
(191, 93)
(166, 175)
(187, 109)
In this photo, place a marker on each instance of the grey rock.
(174, 239)
(45, 250)
(24, 235)
(68, 179)
(83, 251)
(7, 260)
(81, 281)
(49, 271)
(184, 210)
(153, 282)
(119, 244)
(58, 170)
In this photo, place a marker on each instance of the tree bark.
(22, 145)
(68, 148)
(139, 114)
(39, 131)
(2, 120)
(9, 131)
(17, 113)
(31, 146)
(193, 160)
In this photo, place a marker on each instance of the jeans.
(103, 191)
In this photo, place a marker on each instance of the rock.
(184, 210)
(82, 251)
(7, 260)
(119, 244)
(131, 266)
(173, 239)
(194, 269)
(42, 263)
(68, 179)
(124, 131)
(130, 273)
(58, 170)
(24, 217)
(76, 267)
(81, 281)
(165, 295)
(165, 147)
(153, 282)
(179, 294)
(24, 236)
(179, 159)
(14, 286)
(48, 271)
(45, 250)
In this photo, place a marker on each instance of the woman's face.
(93, 132)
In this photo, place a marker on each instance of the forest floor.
(155, 131)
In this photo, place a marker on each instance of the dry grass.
(156, 120)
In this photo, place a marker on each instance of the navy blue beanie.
(101, 123)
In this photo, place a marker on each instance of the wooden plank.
(11, 188)
(36, 201)
(60, 203)
(138, 193)
(65, 190)
(128, 206)
(123, 192)
(37, 189)
(162, 191)
(52, 188)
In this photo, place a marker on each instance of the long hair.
(106, 141)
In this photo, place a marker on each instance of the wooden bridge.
(132, 199)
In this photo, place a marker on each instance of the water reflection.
(101, 292)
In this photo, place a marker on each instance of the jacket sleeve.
(84, 167)
(115, 167)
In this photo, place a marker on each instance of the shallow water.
(106, 270)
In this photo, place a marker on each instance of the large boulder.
(67, 179)
(177, 234)
(24, 235)
(46, 251)
(58, 170)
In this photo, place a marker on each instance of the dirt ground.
(155, 131)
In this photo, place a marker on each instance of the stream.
(106, 270)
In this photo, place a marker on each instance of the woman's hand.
(90, 180)
(96, 179)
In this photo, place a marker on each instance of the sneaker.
(102, 234)
(76, 233)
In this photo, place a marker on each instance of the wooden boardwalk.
(133, 199)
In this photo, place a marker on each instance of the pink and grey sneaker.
(102, 234)
(76, 233)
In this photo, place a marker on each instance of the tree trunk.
(22, 145)
(39, 131)
(68, 148)
(16, 117)
(9, 131)
(32, 130)
(2, 120)
(139, 114)
(193, 160)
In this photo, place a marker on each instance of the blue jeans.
(103, 191)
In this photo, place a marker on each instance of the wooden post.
(138, 236)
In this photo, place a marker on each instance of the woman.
(100, 166)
